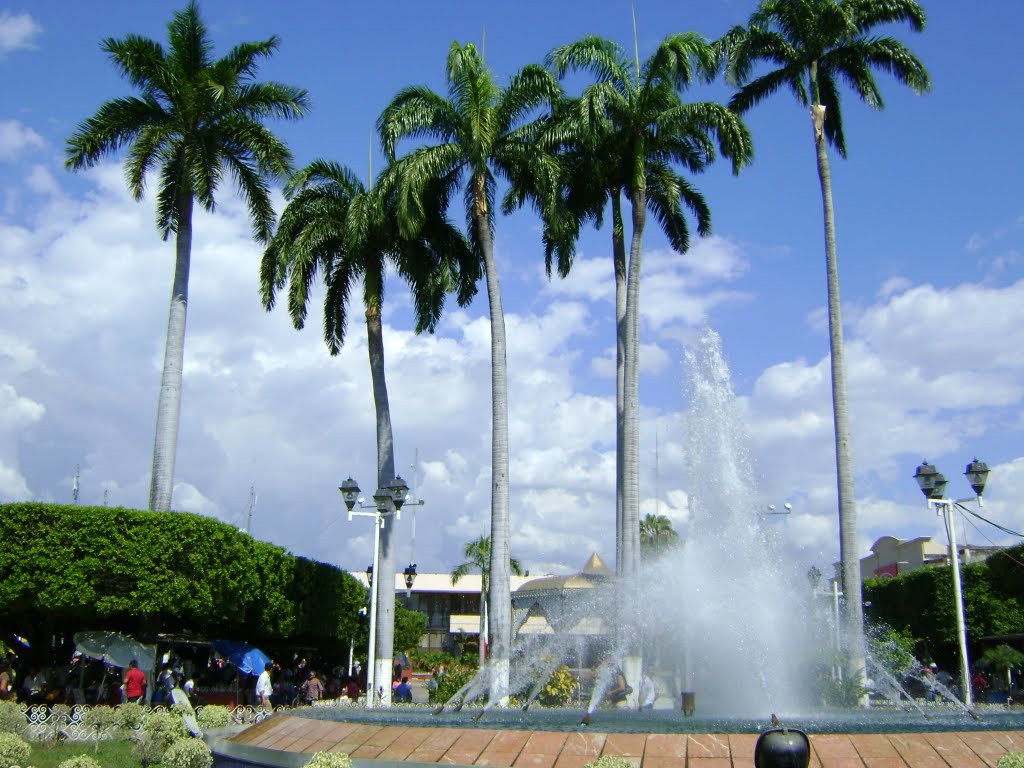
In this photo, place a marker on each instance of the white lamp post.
(933, 485)
(386, 501)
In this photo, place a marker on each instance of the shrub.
(609, 761)
(101, 719)
(12, 719)
(213, 716)
(159, 731)
(559, 690)
(451, 682)
(330, 760)
(80, 761)
(14, 750)
(188, 753)
(130, 716)
(1011, 760)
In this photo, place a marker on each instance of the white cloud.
(17, 30)
(17, 138)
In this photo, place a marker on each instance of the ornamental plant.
(14, 750)
(12, 719)
(130, 716)
(80, 761)
(213, 716)
(609, 761)
(1011, 760)
(188, 753)
(559, 689)
(330, 760)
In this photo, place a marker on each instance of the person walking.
(312, 689)
(134, 683)
(264, 688)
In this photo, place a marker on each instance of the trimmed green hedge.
(82, 567)
(922, 600)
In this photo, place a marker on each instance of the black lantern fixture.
(977, 474)
(369, 575)
(349, 492)
(381, 497)
(410, 575)
(931, 482)
(399, 492)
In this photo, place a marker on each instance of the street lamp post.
(933, 485)
(386, 501)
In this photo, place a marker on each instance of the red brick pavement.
(545, 749)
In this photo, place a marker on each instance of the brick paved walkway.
(546, 749)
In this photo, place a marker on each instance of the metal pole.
(958, 600)
(371, 655)
(835, 624)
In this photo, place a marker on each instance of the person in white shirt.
(647, 692)
(264, 687)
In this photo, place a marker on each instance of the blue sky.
(930, 230)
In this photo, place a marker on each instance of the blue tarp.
(248, 658)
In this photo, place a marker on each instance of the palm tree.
(335, 228)
(812, 46)
(1004, 660)
(195, 120)
(482, 132)
(478, 557)
(657, 536)
(625, 135)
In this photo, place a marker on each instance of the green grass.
(115, 753)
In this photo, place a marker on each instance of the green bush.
(213, 716)
(609, 761)
(101, 719)
(452, 681)
(159, 731)
(330, 760)
(80, 761)
(1011, 760)
(12, 719)
(188, 753)
(559, 689)
(14, 750)
(130, 716)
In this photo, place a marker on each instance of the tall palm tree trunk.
(853, 614)
(384, 579)
(632, 663)
(499, 588)
(619, 262)
(168, 410)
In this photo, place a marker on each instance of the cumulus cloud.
(16, 139)
(17, 30)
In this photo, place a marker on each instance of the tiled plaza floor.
(545, 749)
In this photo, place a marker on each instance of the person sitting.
(619, 688)
(403, 692)
(352, 689)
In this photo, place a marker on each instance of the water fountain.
(727, 617)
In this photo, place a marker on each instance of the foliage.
(1011, 760)
(101, 719)
(559, 689)
(12, 719)
(14, 750)
(409, 627)
(213, 716)
(330, 760)
(892, 649)
(452, 680)
(74, 563)
(130, 716)
(834, 692)
(159, 731)
(609, 761)
(657, 536)
(80, 761)
(921, 601)
(188, 753)
(430, 660)
(1003, 658)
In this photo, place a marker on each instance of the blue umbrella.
(248, 658)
